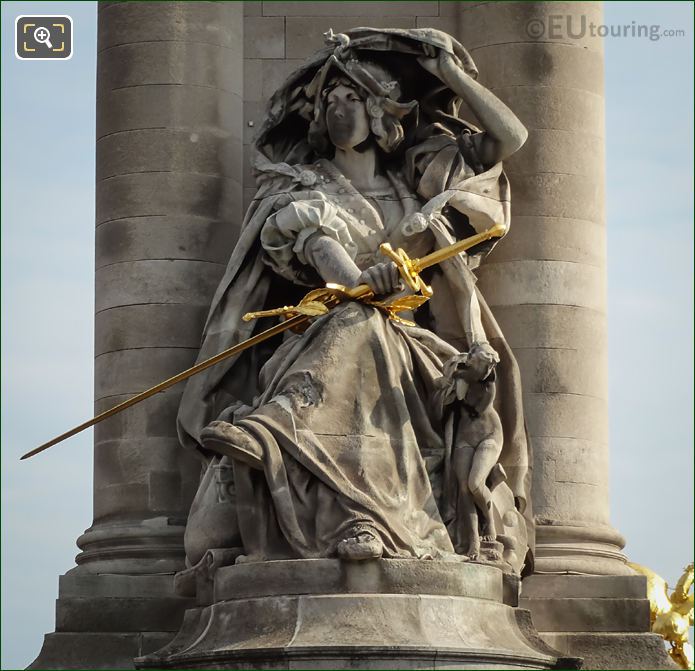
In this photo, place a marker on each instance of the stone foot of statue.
(491, 549)
(360, 544)
(473, 552)
(233, 442)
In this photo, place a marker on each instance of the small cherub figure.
(469, 379)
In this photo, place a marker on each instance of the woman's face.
(347, 120)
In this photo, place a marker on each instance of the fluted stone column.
(168, 208)
(546, 282)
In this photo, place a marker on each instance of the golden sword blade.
(409, 269)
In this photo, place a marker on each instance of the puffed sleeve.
(285, 233)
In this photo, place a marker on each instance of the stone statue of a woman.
(335, 437)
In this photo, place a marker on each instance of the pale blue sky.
(47, 303)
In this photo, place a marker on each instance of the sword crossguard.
(408, 268)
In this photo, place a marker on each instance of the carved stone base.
(603, 619)
(104, 621)
(327, 613)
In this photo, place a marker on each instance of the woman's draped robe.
(342, 413)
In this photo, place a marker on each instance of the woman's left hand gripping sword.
(316, 303)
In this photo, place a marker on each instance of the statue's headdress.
(379, 88)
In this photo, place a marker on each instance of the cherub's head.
(476, 365)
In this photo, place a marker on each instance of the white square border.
(49, 16)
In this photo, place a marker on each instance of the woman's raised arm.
(504, 133)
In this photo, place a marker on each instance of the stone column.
(168, 209)
(546, 282)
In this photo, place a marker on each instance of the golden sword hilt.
(408, 268)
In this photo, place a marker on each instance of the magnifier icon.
(43, 36)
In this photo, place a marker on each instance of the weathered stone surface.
(162, 492)
(160, 63)
(94, 614)
(487, 25)
(334, 621)
(589, 614)
(553, 371)
(552, 239)
(444, 23)
(135, 462)
(552, 326)
(570, 475)
(544, 282)
(557, 195)
(165, 150)
(328, 576)
(127, 586)
(165, 237)
(613, 650)
(93, 649)
(539, 64)
(211, 23)
(351, 8)
(253, 80)
(154, 417)
(149, 325)
(274, 73)
(305, 33)
(134, 370)
(253, 7)
(558, 151)
(584, 586)
(566, 416)
(73, 650)
(549, 108)
(157, 281)
(254, 113)
(448, 9)
(168, 106)
(210, 196)
(142, 543)
(264, 37)
(579, 547)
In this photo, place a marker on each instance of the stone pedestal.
(602, 619)
(104, 621)
(327, 613)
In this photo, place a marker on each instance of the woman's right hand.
(382, 278)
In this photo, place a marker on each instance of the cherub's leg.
(486, 456)
(461, 461)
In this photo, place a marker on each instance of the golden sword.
(315, 303)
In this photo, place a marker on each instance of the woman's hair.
(380, 92)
